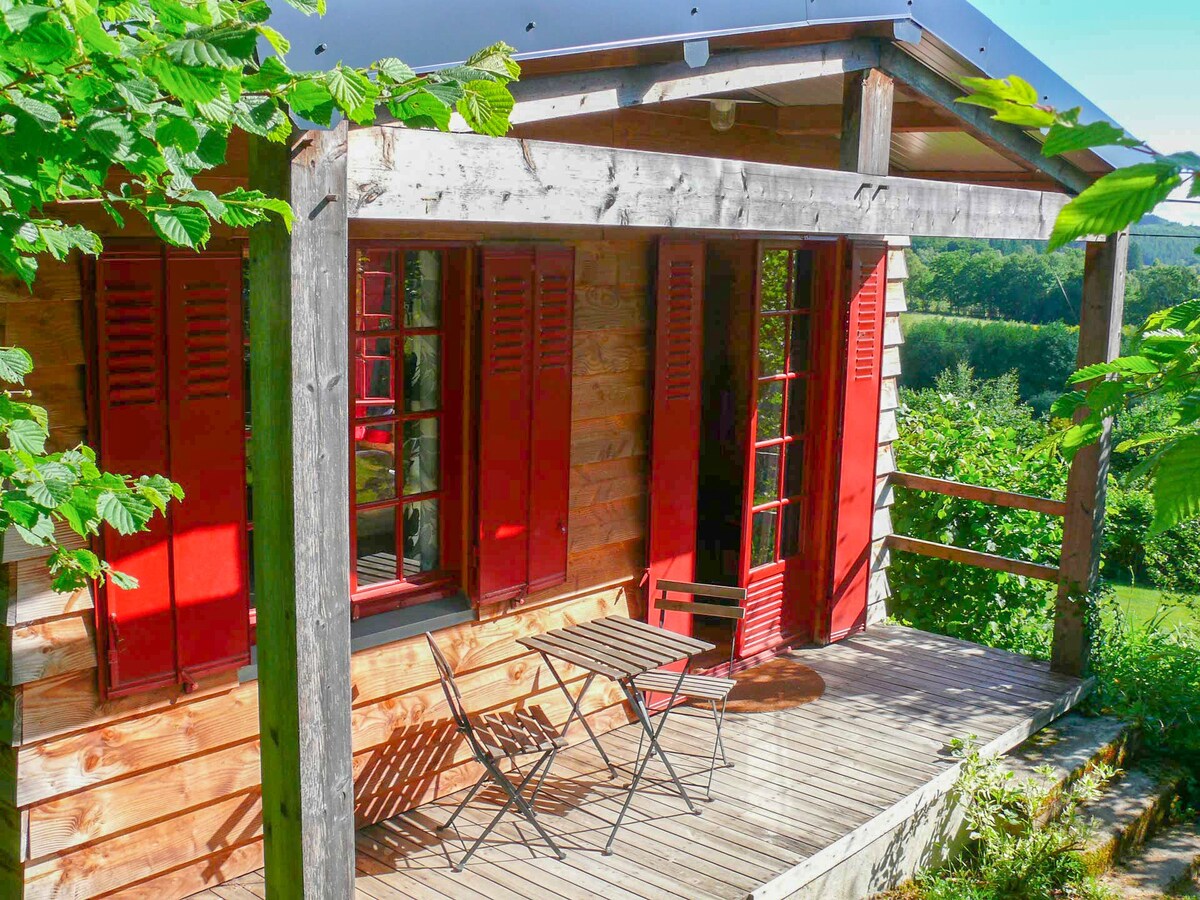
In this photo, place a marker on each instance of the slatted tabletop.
(616, 646)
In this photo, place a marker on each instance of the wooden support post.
(1099, 341)
(867, 99)
(298, 341)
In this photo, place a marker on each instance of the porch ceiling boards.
(811, 787)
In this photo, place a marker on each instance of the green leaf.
(123, 581)
(95, 38)
(1064, 139)
(178, 133)
(49, 493)
(496, 59)
(311, 100)
(1177, 485)
(1124, 365)
(28, 436)
(486, 106)
(186, 84)
(349, 88)
(40, 44)
(1114, 202)
(125, 512)
(196, 52)
(42, 113)
(1026, 116)
(183, 226)
(107, 135)
(278, 42)
(394, 70)
(15, 364)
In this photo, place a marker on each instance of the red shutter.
(675, 429)
(550, 428)
(504, 423)
(208, 458)
(859, 439)
(136, 627)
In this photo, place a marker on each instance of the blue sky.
(1138, 60)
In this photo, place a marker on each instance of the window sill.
(394, 625)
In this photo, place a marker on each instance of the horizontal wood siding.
(157, 794)
(897, 272)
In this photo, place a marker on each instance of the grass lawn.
(1143, 603)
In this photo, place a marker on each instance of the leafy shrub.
(1042, 356)
(1014, 853)
(975, 431)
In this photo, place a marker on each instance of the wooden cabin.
(500, 385)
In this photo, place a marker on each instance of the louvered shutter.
(207, 457)
(137, 628)
(550, 427)
(504, 423)
(675, 428)
(858, 441)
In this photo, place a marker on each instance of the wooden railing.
(991, 496)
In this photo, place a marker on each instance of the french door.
(786, 524)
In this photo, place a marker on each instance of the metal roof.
(956, 38)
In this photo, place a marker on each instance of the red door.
(783, 559)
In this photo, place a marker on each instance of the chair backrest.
(697, 607)
(449, 686)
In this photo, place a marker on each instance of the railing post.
(1100, 319)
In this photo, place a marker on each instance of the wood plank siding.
(161, 789)
(889, 401)
(810, 809)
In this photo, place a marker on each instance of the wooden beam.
(1010, 138)
(867, 99)
(973, 558)
(556, 96)
(406, 174)
(981, 494)
(1101, 313)
(298, 340)
(826, 120)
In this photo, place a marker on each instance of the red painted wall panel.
(136, 626)
(859, 441)
(675, 427)
(550, 429)
(504, 423)
(207, 457)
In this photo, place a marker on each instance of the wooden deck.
(811, 786)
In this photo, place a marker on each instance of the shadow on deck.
(834, 799)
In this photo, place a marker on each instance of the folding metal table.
(621, 649)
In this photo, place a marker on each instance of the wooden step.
(1129, 812)
(1169, 865)
(1069, 749)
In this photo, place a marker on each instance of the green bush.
(979, 432)
(1042, 356)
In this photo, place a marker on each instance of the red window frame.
(794, 371)
(447, 578)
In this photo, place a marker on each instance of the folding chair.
(495, 737)
(704, 688)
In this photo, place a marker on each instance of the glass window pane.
(770, 410)
(421, 537)
(799, 349)
(793, 476)
(422, 289)
(421, 467)
(789, 541)
(762, 537)
(374, 372)
(775, 280)
(422, 373)
(376, 309)
(771, 345)
(375, 555)
(766, 475)
(797, 406)
(374, 463)
(802, 279)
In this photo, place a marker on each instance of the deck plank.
(804, 780)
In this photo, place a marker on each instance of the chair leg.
(514, 798)
(465, 800)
